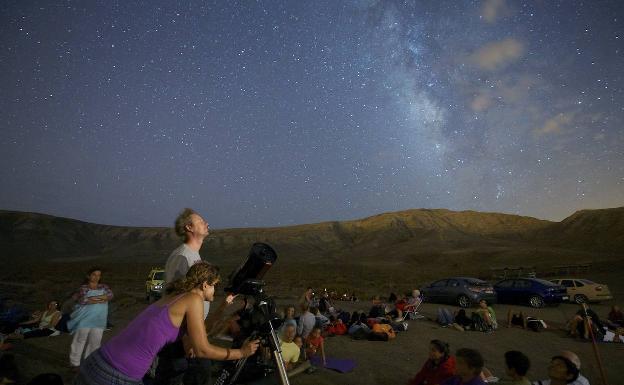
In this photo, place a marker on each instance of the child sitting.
(315, 344)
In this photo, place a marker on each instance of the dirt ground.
(391, 362)
(396, 361)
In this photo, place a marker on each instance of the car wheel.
(580, 298)
(463, 301)
(536, 301)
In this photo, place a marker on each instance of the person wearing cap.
(564, 369)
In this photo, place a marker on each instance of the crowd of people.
(168, 341)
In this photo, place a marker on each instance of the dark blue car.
(534, 292)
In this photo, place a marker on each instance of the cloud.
(492, 10)
(498, 54)
(555, 125)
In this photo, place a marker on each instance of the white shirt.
(178, 264)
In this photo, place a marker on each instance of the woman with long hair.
(127, 357)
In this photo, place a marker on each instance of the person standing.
(88, 321)
(126, 357)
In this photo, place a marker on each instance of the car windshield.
(545, 282)
(476, 282)
(587, 281)
(159, 275)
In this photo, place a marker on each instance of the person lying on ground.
(518, 318)
(468, 366)
(439, 366)
(126, 357)
(43, 323)
(517, 365)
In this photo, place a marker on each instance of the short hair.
(183, 219)
(517, 361)
(473, 359)
(441, 346)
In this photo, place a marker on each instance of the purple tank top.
(134, 348)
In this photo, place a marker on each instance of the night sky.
(267, 113)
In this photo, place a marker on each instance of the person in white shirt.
(564, 369)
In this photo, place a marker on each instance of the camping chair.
(410, 311)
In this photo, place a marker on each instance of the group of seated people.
(467, 367)
(482, 319)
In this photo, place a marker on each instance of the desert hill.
(393, 237)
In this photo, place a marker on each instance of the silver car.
(461, 291)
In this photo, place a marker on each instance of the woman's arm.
(199, 340)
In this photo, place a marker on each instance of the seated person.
(289, 318)
(336, 327)
(564, 369)
(615, 319)
(517, 365)
(360, 326)
(579, 328)
(487, 316)
(315, 344)
(325, 305)
(291, 352)
(462, 320)
(320, 320)
(468, 367)
(439, 366)
(307, 321)
(377, 310)
(45, 323)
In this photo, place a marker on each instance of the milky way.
(266, 113)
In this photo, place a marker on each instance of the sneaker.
(56, 333)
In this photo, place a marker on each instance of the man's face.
(289, 333)
(557, 370)
(198, 226)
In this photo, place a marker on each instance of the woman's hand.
(249, 348)
(230, 298)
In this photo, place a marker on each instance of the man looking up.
(193, 229)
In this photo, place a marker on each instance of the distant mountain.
(411, 236)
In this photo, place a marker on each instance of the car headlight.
(158, 286)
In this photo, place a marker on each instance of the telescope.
(256, 322)
(246, 279)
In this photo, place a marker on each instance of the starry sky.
(272, 113)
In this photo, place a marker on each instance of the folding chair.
(410, 311)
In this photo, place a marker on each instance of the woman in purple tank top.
(126, 357)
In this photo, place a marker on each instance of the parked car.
(583, 290)
(154, 284)
(462, 291)
(534, 292)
